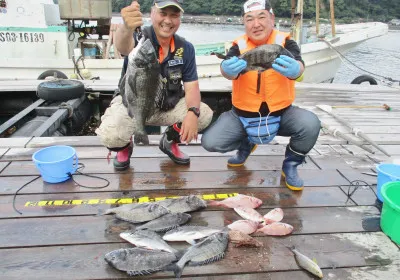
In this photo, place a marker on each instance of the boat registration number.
(21, 37)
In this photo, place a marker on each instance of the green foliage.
(346, 10)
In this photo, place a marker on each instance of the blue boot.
(289, 169)
(245, 149)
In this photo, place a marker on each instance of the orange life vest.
(273, 88)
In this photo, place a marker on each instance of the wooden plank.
(3, 151)
(342, 161)
(86, 261)
(144, 151)
(19, 142)
(393, 150)
(163, 165)
(82, 141)
(3, 165)
(324, 149)
(354, 273)
(353, 175)
(106, 229)
(173, 180)
(92, 203)
(19, 117)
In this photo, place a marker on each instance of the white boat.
(33, 40)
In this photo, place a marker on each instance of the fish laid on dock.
(261, 58)
(241, 239)
(140, 86)
(147, 239)
(249, 214)
(273, 216)
(142, 213)
(166, 222)
(209, 250)
(306, 263)
(138, 261)
(245, 226)
(275, 229)
(189, 233)
(240, 200)
(183, 204)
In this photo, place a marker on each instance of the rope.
(78, 171)
(352, 63)
(356, 184)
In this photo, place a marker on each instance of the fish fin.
(179, 253)
(191, 241)
(177, 269)
(144, 139)
(101, 212)
(315, 260)
(219, 55)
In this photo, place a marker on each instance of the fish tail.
(142, 138)
(178, 269)
(219, 55)
(179, 253)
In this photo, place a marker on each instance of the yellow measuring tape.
(125, 200)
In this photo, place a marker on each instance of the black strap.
(78, 171)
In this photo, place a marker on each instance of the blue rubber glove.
(233, 66)
(287, 66)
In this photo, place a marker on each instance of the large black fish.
(140, 85)
(138, 261)
(261, 57)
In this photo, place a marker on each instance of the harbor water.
(377, 55)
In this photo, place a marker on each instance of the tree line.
(345, 10)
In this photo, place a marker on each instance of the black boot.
(245, 149)
(169, 145)
(289, 169)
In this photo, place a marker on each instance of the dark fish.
(140, 85)
(166, 222)
(209, 250)
(143, 213)
(183, 204)
(261, 57)
(138, 261)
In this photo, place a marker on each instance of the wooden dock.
(60, 236)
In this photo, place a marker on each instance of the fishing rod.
(357, 132)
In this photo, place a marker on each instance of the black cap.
(165, 3)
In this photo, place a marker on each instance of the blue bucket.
(387, 172)
(55, 163)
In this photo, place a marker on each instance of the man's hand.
(287, 66)
(233, 66)
(132, 16)
(189, 128)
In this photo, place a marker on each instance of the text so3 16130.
(22, 37)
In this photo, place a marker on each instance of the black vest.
(171, 71)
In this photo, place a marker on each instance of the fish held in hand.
(138, 261)
(183, 204)
(306, 263)
(209, 250)
(140, 85)
(143, 213)
(262, 57)
(245, 226)
(147, 239)
(276, 229)
(249, 214)
(166, 222)
(273, 216)
(239, 200)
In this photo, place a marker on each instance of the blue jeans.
(227, 133)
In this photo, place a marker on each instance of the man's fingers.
(278, 68)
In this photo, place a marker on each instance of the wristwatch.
(195, 110)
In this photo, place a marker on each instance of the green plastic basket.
(390, 216)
